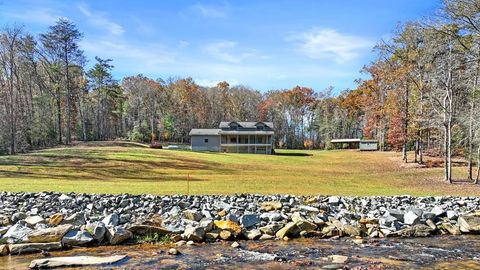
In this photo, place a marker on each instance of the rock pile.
(31, 222)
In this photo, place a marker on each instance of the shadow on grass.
(293, 154)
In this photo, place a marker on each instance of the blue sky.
(269, 44)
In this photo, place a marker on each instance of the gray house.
(235, 137)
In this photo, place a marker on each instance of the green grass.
(113, 168)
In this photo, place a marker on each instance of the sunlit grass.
(118, 169)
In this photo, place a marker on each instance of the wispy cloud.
(211, 11)
(327, 43)
(227, 51)
(44, 16)
(100, 20)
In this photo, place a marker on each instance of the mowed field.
(129, 168)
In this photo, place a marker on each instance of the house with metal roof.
(363, 145)
(235, 137)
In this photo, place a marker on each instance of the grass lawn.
(112, 168)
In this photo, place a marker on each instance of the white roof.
(204, 131)
(345, 140)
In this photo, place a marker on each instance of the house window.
(233, 140)
(205, 140)
(260, 127)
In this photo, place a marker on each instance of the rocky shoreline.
(40, 222)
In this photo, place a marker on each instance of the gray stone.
(438, 211)
(64, 262)
(253, 234)
(469, 224)
(34, 220)
(396, 213)
(97, 230)
(18, 233)
(17, 249)
(290, 229)
(117, 235)
(76, 238)
(194, 234)
(410, 218)
(192, 215)
(334, 200)
(249, 220)
(452, 215)
(111, 220)
(76, 219)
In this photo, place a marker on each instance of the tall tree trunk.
(68, 135)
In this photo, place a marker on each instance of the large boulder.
(469, 224)
(53, 234)
(290, 229)
(77, 238)
(16, 249)
(194, 234)
(117, 235)
(411, 218)
(34, 220)
(97, 230)
(18, 233)
(228, 225)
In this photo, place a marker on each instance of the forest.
(421, 94)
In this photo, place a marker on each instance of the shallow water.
(443, 252)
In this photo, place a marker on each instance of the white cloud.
(182, 44)
(101, 20)
(210, 11)
(43, 16)
(327, 43)
(227, 51)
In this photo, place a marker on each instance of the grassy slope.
(117, 169)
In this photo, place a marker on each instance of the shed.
(205, 139)
(363, 145)
(368, 145)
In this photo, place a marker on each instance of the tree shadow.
(293, 154)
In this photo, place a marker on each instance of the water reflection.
(443, 252)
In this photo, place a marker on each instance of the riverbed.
(441, 252)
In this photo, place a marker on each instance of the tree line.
(422, 95)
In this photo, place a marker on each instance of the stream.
(441, 252)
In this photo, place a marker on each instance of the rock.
(74, 261)
(228, 225)
(173, 251)
(431, 224)
(252, 234)
(418, 230)
(249, 220)
(270, 229)
(76, 238)
(155, 220)
(451, 229)
(18, 216)
(225, 235)
(3, 250)
(16, 249)
(351, 230)
(396, 214)
(190, 243)
(452, 215)
(438, 211)
(18, 233)
(410, 218)
(55, 219)
(180, 243)
(291, 229)
(304, 225)
(4, 220)
(307, 208)
(206, 224)
(111, 220)
(334, 200)
(34, 220)
(469, 224)
(266, 237)
(97, 230)
(192, 215)
(340, 259)
(3, 230)
(428, 215)
(53, 234)
(117, 235)
(211, 236)
(139, 229)
(77, 220)
(222, 213)
(64, 197)
(235, 244)
(366, 221)
(296, 216)
(194, 234)
(270, 206)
